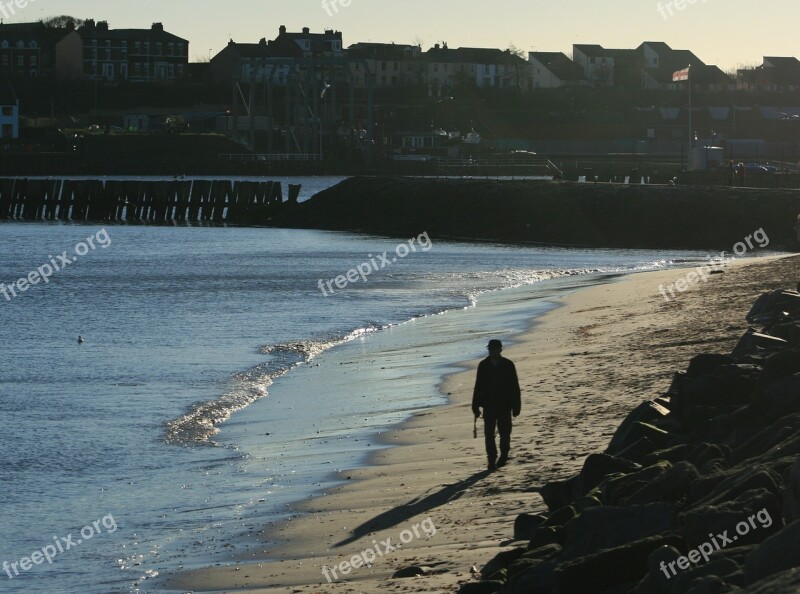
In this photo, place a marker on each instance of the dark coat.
(497, 387)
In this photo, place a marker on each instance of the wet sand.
(582, 367)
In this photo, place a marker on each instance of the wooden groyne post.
(143, 202)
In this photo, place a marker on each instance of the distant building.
(392, 65)
(242, 61)
(601, 66)
(275, 59)
(307, 44)
(95, 52)
(27, 50)
(650, 66)
(9, 112)
(477, 67)
(552, 70)
(775, 75)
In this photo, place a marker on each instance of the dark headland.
(560, 213)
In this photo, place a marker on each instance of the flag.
(680, 75)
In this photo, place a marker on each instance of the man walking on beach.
(497, 393)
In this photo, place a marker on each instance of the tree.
(513, 49)
(60, 22)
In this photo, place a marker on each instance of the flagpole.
(691, 128)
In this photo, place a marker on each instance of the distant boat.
(472, 138)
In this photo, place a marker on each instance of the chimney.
(436, 46)
(158, 27)
(282, 30)
(102, 26)
(70, 25)
(329, 32)
(306, 30)
(89, 23)
(263, 41)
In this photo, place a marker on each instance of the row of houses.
(94, 51)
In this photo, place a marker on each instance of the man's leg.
(504, 425)
(489, 424)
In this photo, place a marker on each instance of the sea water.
(217, 383)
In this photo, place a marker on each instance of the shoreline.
(433, 485)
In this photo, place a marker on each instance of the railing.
(247, 157)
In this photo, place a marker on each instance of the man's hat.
(495, 344)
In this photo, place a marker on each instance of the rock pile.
(698, 491)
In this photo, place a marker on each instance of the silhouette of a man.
(497, 393)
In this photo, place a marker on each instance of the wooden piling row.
(153, 202)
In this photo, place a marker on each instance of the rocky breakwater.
(698, 491)
(560, 213)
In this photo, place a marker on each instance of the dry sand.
(582, 368)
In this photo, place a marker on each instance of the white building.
(9, 112)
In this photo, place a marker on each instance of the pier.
(144, 202)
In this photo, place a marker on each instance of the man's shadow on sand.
(417, 506)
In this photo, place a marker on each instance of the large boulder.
(791, 494)
(526, 524)
(730, 484)
(501, 561)
(608, 527)
(673, 486)
(634, 427)
(781, 398)
(537, 577)
(608, 568)
(597, 466)
(776, 554)
(617, 488)
(786, 582)
(758, 344)
(772, 304)
(703, 524)
(724, 570)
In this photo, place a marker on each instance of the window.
(20, 60)
(32, 45)
(34, 60)
(137, 47)
(8, 111)
(159, 48)
(5, 60)
(171, 49)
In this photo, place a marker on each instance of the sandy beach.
(582, 367)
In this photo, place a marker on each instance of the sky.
(729, 33)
